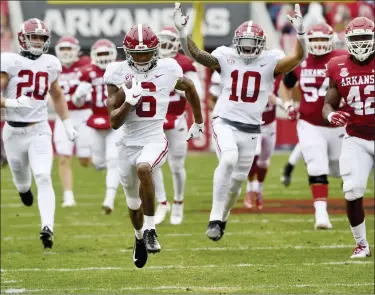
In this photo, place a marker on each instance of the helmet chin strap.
(29, 55)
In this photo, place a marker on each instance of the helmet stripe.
(249, 25)
(38, 23)
(140, 34)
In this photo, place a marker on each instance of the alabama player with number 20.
(247, 72)
(141, 111)
(351, 76)
(25, 80)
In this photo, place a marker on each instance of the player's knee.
(85, 162)
(133, 203)
(352, 195)
(43, 180)
(320, 179)
(229, 160)
(263, 164)
(144, 171)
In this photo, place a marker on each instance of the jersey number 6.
(147, 107)
(255, 82)
(40, 89)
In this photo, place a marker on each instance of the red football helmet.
(169, 42)
(103, 52)
(141, 47)
(249, 40)
(67, 49)
(320, 39)
(28, 35)
(359, 37)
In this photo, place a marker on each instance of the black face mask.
(29, 55)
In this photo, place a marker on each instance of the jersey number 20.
(255, 76)
(39, 80)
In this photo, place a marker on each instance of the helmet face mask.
(359, 38)
(103, 52)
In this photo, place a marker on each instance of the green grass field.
(259, 253)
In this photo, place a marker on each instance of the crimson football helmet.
(169, 42)
(320, 47)
(69, 56)
(359, 36)
(29, 30)
(103, 52)
(249, 40)
(141, 46)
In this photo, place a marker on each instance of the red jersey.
(269, 114)
(313, 84)
(69, 80)
(356, 85)
(177, 103)
(94, 75)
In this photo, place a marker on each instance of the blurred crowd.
(6, 32)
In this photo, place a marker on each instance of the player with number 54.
(247, 72)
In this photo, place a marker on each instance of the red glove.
(338, 118)
(292, 113)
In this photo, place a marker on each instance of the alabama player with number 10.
(247, 72)
(141, 110)
(25, 80)
(352, 77)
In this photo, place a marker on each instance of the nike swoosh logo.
(253, 137)
(157, 76)
(263, 65)
(134, 259)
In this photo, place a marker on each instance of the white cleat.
(68, 204)
(177, 214)
(161, 212)
(361, 251)
(323, 223)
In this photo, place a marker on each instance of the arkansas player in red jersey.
(104, 152)
(175, 128)
(265, 149)
(351, 76)
(320, 142)
(67, 51)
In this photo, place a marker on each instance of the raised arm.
(332, 104)
(290, 62)
(188, 45)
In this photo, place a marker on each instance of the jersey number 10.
(256, 77)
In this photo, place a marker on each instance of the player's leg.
(268, 142)
(334, 138)
(112, 177)
(64, 149)
(294, 157)
(176, 160)
(252, 186)
(98, 148)
(16, 148)
(130, 183)
(315, 152)
(227, 152)
(41, 159)
(152, 156)
(247, 145)
(356, 163)
(163, 206)
(84, 144)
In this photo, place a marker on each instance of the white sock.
(220, 194)
(179, 179)
(112, 183)
(149, 222)
(295, 156)
(359, 233)
(46, 202)
(234, 193)
(110, 196)
(320, 208)
(138, 234)
(158, 178)
(68, 196)
(248, 186)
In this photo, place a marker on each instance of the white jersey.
(246, 87)
(145, 124)
(32, 78)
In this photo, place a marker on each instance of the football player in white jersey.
(143, 147)
(248, 72)
(25, 80)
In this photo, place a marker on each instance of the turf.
(260, 253)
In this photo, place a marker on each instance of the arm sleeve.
(290, 80)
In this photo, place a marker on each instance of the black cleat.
(27, 198)
(46, 237)
(151, 242)
(139, 253)
(215, 230)
(287, 174)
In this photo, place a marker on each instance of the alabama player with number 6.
(247, 72)
(351, 76)
(25, 80)
(141, 111)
